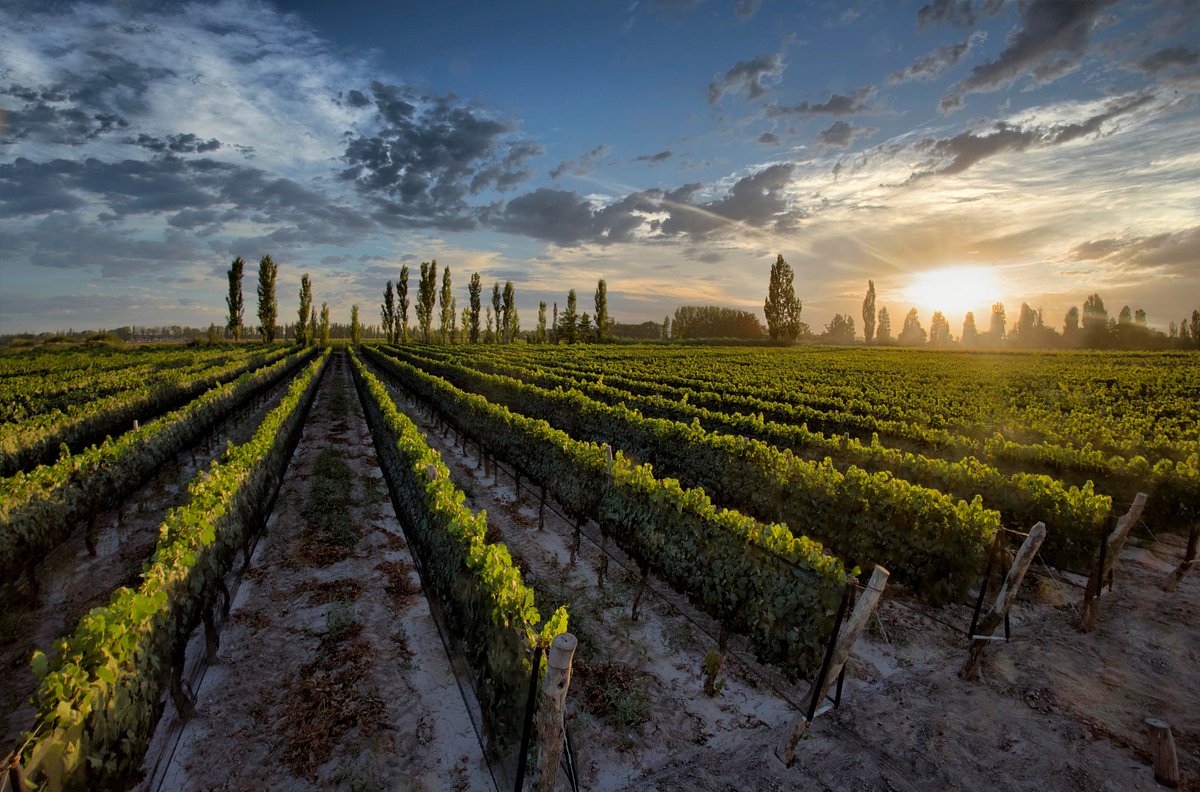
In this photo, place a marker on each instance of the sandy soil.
(330, 671)
(73, 581)
(1054, 708)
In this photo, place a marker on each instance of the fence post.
(1110, 551)
(1189, 561)
(550, 712)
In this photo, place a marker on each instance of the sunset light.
(954, 290)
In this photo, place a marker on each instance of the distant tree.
(1023, 330)
(1071, 325)
(554, 325)
(427, 298)
(465, 327)
(568, 323)
(970, 335)
(840, 330)
(488, 337)
(453, 320)
(712, 321)
(1094, 315)
(585, 328)
(498, 311)
(883, 333)
(541, 325)
(1126, 316)
(1139, 317)
(1172, 329)
(781, 308)
(666, 328)
(446, 302)
(912, 334)
(648, 331)
(997, 325)
(305, 329)
(214, 335)
(324, 324)
(939, 330)
(268, 308)
(387, 314)
(1185, 335)
(234, 299)
(355, 327)
(868, 312)
(1195, 327)
(402, 303)
(602, 321)
(510, 321)
(474, 289)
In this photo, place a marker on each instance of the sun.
(954, 290)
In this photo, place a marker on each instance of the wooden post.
(16, 776)
(786, 750)
(1189, 561)
(1004, 600)
(542, 510)
(550, 712)
(1162, 746)
(637, 598)
(1103, 570)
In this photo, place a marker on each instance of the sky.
(955, 152)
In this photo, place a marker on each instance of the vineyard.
(258, 566)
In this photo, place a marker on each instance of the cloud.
(1176, 251)
(939, 61)
(583, 164)
(43, 118)
(186, 143)
(758, 200)
(960, 13)
(748, 77)
(837, 104)
(427, 154)
(768, 139)
(661, 156)
(958, 153)
(1052, 40)
(1166, 58)
(745, 8)
(841, 134)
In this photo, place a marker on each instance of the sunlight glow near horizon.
(954, 290)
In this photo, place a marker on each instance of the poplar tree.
(355, 328)
(234, 299)
(666, 328)
(970, 333)
(496, 312)
(511, 322)
(387, 314)
(883, 332)
(268, 308)
(310, 334)
(324, 324)
(303, 329)
(541, 325)
(868, 312)
(996, 328)
(782, 309)
(464, 328)
(446, 302)
(401, 318)
(602, 311)
(474, 290)
(569, 321)
(426, 298)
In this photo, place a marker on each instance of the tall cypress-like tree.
(512, 322)
(387, 314)
(446, 303)
(234, 298)
(268, 308)
(883, 331)
(303, 329)
(541, 325)
(474, 290)
(324, 323)
(310, 333)
(996, 328)
(569, 321)
(427, 298)
(602, 323)
(402, 303)
(782, 309)
(970, 333)
(868, 312)
(497, 312)
(939, 330)
(666, 328)
(355, 327)
(465, 327)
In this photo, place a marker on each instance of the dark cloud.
(1166, 58)
(429, 154)
(1176, 251)
(745, 8)
(583, 164)
(44, 119)
(177, 144)
(758, 200)
(959, 13)
(1052, 40)
(838, 104)
(661, 156)
(957, 154)
(841, 134)
(747, 77)
(568, 219)
(939, 61)
(768, 139)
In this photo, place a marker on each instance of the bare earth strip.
(73, 581)
(1054, 708)
(330, 671)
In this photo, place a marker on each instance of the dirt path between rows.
(1054, 708)
(73, 581)
(330, 672)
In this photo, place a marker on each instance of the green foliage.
(782, 309)
(234, 299)
(268, 308)
(304, 327)
(98, 700)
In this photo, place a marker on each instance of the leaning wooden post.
(1102, 571)
(1162, 746)
(550, 710)
(1004, 600)
(785, 751)
(1189, 561)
